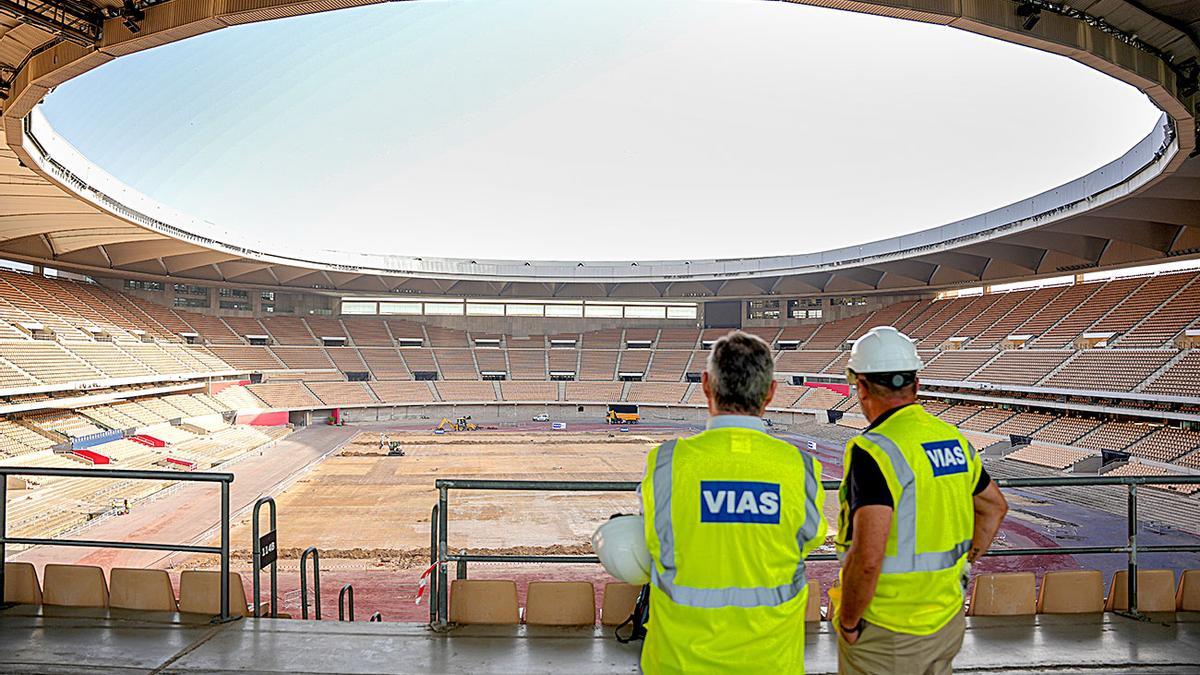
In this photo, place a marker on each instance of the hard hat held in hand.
(620, 544)
(884, 350)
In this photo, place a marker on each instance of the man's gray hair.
(740, 369)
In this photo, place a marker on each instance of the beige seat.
(560, 603)
(1010, 594)
(813, 611)
(1155, 592)
(1187, 598)
(1073, 592)
(200, 593)
(483, 601)
(74, 586)
(21, 584)
(618, 602)
(146, 590)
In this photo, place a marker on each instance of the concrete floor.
(63, 640)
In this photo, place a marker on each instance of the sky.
(583, 130)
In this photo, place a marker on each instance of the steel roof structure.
(59, 210)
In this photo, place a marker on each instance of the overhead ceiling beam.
(74, 21)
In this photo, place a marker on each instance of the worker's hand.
(850, 634)
(965, 579)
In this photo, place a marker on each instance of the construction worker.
(729, 516)
(916, 509)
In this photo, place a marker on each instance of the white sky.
(582, 130)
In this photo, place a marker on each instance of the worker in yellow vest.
(916, 509)
(729, 516)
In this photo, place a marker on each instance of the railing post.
(311, 550)
(443, 589)
(3, 530)
(461, 568)
(433, 558)
(225, 552)
(346, 592)
(256, 547)
(1133, 565)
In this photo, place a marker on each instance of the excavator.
(461, 424)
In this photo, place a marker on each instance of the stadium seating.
(560, 603)
(139, 589)
(619, 599)
(656, 392)
(1110, 370)
(1140, 469)
(343, 393)
(1114, 436)
(399, 392)
(1010, 594)
(477, 601)
(987, 419)
(200, 593)
(287, 330)
(529, 391)
(1155, 591)
(21, 584)
(1071, 592)
(74, 586)
(466, 391)
(1187, 596)
(1047, 455)
(285, 396)
(1021, 367)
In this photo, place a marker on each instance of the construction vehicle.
(622, 413)
(461, 424)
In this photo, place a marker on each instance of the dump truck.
(622, 413)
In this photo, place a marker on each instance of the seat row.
(573, 603)
(1082, 592)
(144, 590)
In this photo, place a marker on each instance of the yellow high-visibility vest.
(931, 471)
(730, 515)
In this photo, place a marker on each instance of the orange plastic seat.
(1155, 592)
(1012, 594)
(21, 584)
(482, 601)
(813, 611)
(560, 603)
(146, 590)
(74, 586)
(618, 602)
(200, 593)
(1187, 598)
(1072, 592)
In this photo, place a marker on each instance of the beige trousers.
(880, 651)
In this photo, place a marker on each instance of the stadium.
(163, 383)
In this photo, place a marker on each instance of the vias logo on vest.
(724, 501)
(946, 457)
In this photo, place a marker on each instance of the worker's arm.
(862, 564)
(990, 507)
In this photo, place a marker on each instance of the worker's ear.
(704, 384)
(770, 394)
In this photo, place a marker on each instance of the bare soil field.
(361, 504)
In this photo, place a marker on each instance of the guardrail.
(224, 479)
(441, 556)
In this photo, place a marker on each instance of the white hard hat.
(621, 545)
(884, 350)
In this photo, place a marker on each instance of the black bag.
(641, 615)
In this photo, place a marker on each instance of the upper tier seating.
(303, 358)
(806, 361)
(594, 392)
(1161, 327)
(248, 358)
(1114, 436)
(402, 392)
(1023, 424)
(346, 359)
(384, 363)
(322, 327)
(527, 364)
(466, 391)
(987, 419)
(1133, 310)
(656, 392)
(1021, 367)
(633, 361)
(48, 362)
(668, 365)
(419, 359)
(343, 393)
(1180, 379)
(529, 391)
(446, 337)
(289, 330)
(291, 395)
(678, 338)
(596, 364)
(367, 332)
(491, 360)
(1047, 455)
(456, 364)
(1065, 430)
(1108, 370)
(1065, 331)
(955, 364)
(245, 326)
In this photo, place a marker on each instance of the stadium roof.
(58, 209)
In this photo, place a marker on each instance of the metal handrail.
(347, 592)
(256, 545)
(316, 558)
(441, 556)
(224, 479)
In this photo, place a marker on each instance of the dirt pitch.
(363, 505)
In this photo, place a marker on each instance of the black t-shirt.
(868, 487)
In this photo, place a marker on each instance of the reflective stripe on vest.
(907, 559)
(712, 598)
